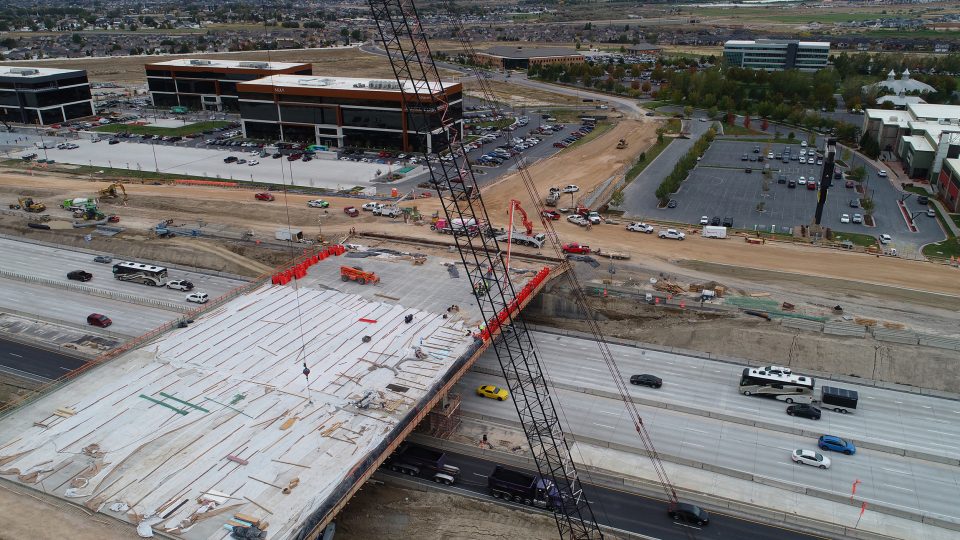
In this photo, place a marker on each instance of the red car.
(351, 211)
(97, 319)
(550, 214)
(574, 247)
(850, 183)
(811, 186)
(560, 145)
(294, 157)
(264, 196)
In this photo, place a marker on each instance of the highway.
(892, 418)
(622, 510)
(36, 361)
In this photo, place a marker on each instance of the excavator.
(114, 191)
(622, 144)
(27, 204)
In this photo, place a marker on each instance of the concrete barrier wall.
(895, 336)
(844, 329)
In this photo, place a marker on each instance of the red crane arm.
(526, 221)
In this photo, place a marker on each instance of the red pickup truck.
(574, 247)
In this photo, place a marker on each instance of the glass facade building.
(44, 96)
(208, 84)
(777, 55)
(340, 112)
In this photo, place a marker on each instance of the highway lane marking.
(603, 425)
(940, 432)
(926, 406)
(898, 487)
(694, 444)
(697, 430)
(894, 470)
(610, 413)
(15, 354)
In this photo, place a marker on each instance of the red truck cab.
(574, 247)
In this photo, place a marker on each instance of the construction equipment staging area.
(274, 407)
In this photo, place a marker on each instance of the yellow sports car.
(493, 392)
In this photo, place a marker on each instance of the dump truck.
(419, 461)
(524, 488)
(839, 399)
(355, 273)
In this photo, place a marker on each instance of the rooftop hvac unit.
(255, 65)
(200, 62)
(26, 72)
(315, 82)
(384, 85)
(359, 85)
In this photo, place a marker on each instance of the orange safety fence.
(217, 183)
(299, 269)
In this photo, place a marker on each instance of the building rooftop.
(336, 83)
(932, 111)
(919, 143)
(899, 101)
(776, 42)
(954, 165)
(901, 118)
(229, 64)
(511, 51)
(26, 72)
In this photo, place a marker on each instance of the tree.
(645, 87)
(356, 35)
(76, 39)
(764, 125)
(712, 112)
(688, 111)
(746, 121)
(730, 118)
(857, 174)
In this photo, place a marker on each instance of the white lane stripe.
(898, 487)
(894, 470)
(603, 425)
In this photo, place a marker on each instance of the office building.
(520, 57)
(208, 84)
(44, 95)
(339, 112)
(777, 54)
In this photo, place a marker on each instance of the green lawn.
(673, 126)
(162, 131)
(739, 130)
(948, 248)
(917, 189)
(858, 239)
(955, 218)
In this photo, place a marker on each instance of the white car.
(571, 189)
(769, 155)
(802, 181)
(885, 239)
(577, 219)
(857, 218)
(368, 207)
(882, 172)
(819, 161)
(253, 162)
(638, 226)
(803, 160)
(180, 285)
(704, 220)
(198, 297)
(844, 218)
(809, 457)
(803, 144)
(671, 233)
(594, 217)
(318, 203)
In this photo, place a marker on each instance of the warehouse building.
(207, 84)
(44, 95)
(520, 57)
(339, 112)
(777, 54)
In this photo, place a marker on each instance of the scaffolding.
(444, 419)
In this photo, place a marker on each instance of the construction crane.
(422, 93)
(577, 288)
(527, 239)
(515, 205)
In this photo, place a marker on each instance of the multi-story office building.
(207, 84)
(338, 112)
(519, 57)
(44, 95)
(777, 54)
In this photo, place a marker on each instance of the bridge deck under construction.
(218, 422)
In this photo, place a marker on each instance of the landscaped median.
(683, 167)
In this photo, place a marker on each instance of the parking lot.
(720, 187)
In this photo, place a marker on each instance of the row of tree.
(683, 167)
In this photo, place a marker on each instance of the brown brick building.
(520, 57)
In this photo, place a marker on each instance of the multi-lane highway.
(895, 419)
(34, 362)
(626, 511)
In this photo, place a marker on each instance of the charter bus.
(777, 382)
(140, 273)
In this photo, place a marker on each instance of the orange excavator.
(522, 238)
(515, 205)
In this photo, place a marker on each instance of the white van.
(714, 232)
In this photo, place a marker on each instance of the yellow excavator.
(114, 191)
(622, 144)
(29, 205)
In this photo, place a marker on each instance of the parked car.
(646, 380)
(727, 222)
(492, 392)
(574, 247)
(671, 234)
(802, 180)
(577, 219)
(857, 218)
(368, 207)
(923, 199)
(809, 457)
(351, 211)
(882, 173)
(850, 183)
(836, 444)
(854, 203)
(704, 220)
(198, 297)
(715, 222)
(180, 285)
(96, 319)
(638, 226)
(79, 275)
(103, 259)
(318, 203)
(264, 196)
(885, 239)
(571, 189)
(687, 512)
(672, 203)
(253, 162)
(550, 214)
(792, 184)
(844, 218)
(804, 410)
(229, 159)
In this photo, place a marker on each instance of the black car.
(792, 184)
(728, 222)
(229, 159)
(854, 203)
(689, 513)
(748, 170)
(672, 203)
(646, 380)
(113, 141)
(79, 275)
(278, 155)
(923, 199)
(804, 410)
(744, 157)
(715, 222)
(782, 179)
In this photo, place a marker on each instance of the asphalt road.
(625, 511)
(36, 361)
(901, 420)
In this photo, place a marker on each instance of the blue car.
(836, 444)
